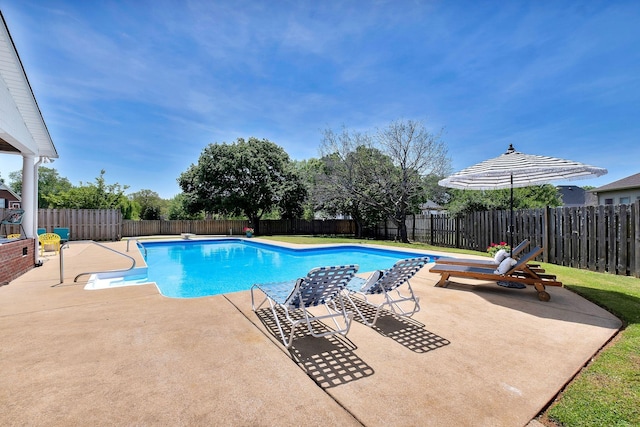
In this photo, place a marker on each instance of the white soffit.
(15, 79)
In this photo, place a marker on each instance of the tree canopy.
(55, 191)
(535, 196)
(49, 183)
(98, 195)
(250, 177)
(384, 175)
(176, 209)
(148, 205)
(350, 185)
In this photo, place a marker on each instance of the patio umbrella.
(515, 169)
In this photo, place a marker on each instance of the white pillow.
(500, 256)
(372, 281)
(292, 299)
(505, 265)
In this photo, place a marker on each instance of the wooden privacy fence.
(107, 224)
(132, 228)
(83, 224)
(602, 238)
(234, 227)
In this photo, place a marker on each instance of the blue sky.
(138, 88)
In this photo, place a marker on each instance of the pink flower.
(495, 247)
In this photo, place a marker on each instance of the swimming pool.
(196, 268)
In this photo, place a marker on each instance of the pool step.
(136, 276)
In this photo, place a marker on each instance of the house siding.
(8, 199)
(632, 193)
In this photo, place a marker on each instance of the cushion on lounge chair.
(488, 263)
(505, 265)
(500, 256)
(520, 272)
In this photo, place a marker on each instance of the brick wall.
(13, 262)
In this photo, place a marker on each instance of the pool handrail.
(66, 245)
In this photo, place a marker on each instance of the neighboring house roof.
(22, 128)
(7, 189)
(571, 195)
(431, 205)
(632, 181)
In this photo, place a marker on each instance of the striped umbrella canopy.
(516, 169)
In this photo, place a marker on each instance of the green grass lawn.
(607, 391)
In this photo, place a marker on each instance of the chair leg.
(393, 305)
(307, 317)
(357, 310)
(396, 308)
(337, 313)
(286, 341)
(444, 278)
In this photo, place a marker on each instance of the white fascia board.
(23, 120)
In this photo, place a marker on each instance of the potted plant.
(248, 231)
(495, 247)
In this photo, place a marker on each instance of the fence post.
(545, 235)
(635, 215)
(413, 229)
(431, 229)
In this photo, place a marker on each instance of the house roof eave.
(37, 139)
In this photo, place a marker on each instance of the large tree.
(49, 183)
(250, 178)
(149, 204)
(390, 169)
(309, 170)
(177, 209)
(97, 195)
(350, 184)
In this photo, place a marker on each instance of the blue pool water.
(189, 269)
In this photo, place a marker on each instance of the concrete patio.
(474, 355)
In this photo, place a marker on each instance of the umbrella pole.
(511, 226)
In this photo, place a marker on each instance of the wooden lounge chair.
(387, 282)
(294, 298)
(488, 263)
(518, 273)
